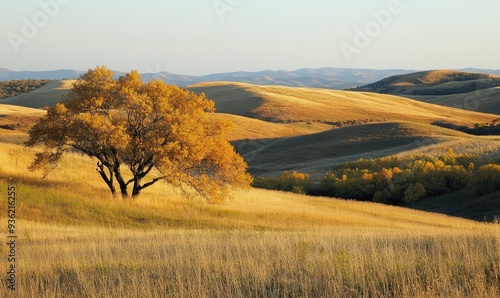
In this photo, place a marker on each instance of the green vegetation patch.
(17, 87)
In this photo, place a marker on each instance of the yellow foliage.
(429, 166)
(367, 176)
(396, 170)
(386, 173)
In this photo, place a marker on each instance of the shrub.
(18, 87)
(288, 181)
(414, 193)
(394, 180)
(487, 179)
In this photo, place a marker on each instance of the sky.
(197, 37)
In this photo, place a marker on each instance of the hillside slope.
(47, 95)
(434, 82)
(248, 128)
(469, 91)
(74, 240)
(285, 104)
(318, 153)
(485, 101)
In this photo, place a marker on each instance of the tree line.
(18, 87)
(396, 180)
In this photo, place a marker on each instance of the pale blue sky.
(192, 37)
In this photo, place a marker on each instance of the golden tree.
(154, 131)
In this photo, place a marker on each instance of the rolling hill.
(318, 153)
(47, 95)
(285, 104)
(434, 82)
(333, 78)
(469, 91)
(249, 128)
(393, 125)
(485, 100)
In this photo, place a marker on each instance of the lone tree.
(141, 133)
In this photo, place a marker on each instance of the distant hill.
(17, 87)
(465, 90)
(7, 75)
(435, 82)
(47, 95)
(327, 77)
(331, 78)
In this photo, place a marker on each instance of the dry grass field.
(16, 121)
(74, 240)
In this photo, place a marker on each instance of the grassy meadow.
(75, 240)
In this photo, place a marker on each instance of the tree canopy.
(141, 133)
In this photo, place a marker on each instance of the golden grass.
(338, 262)
(435, 76)
(249, 128)
(485, 101)
(277, 103)
(6, 109)
(74, 240)
(15, 122)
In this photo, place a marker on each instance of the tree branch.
(152, 182)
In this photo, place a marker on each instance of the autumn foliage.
(288, 181)
(18, 87)
(141, 133)
(396, 180)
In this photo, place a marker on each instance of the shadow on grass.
(463, 204)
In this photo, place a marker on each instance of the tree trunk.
(121, 182)
(137, 187)
(108, 180)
